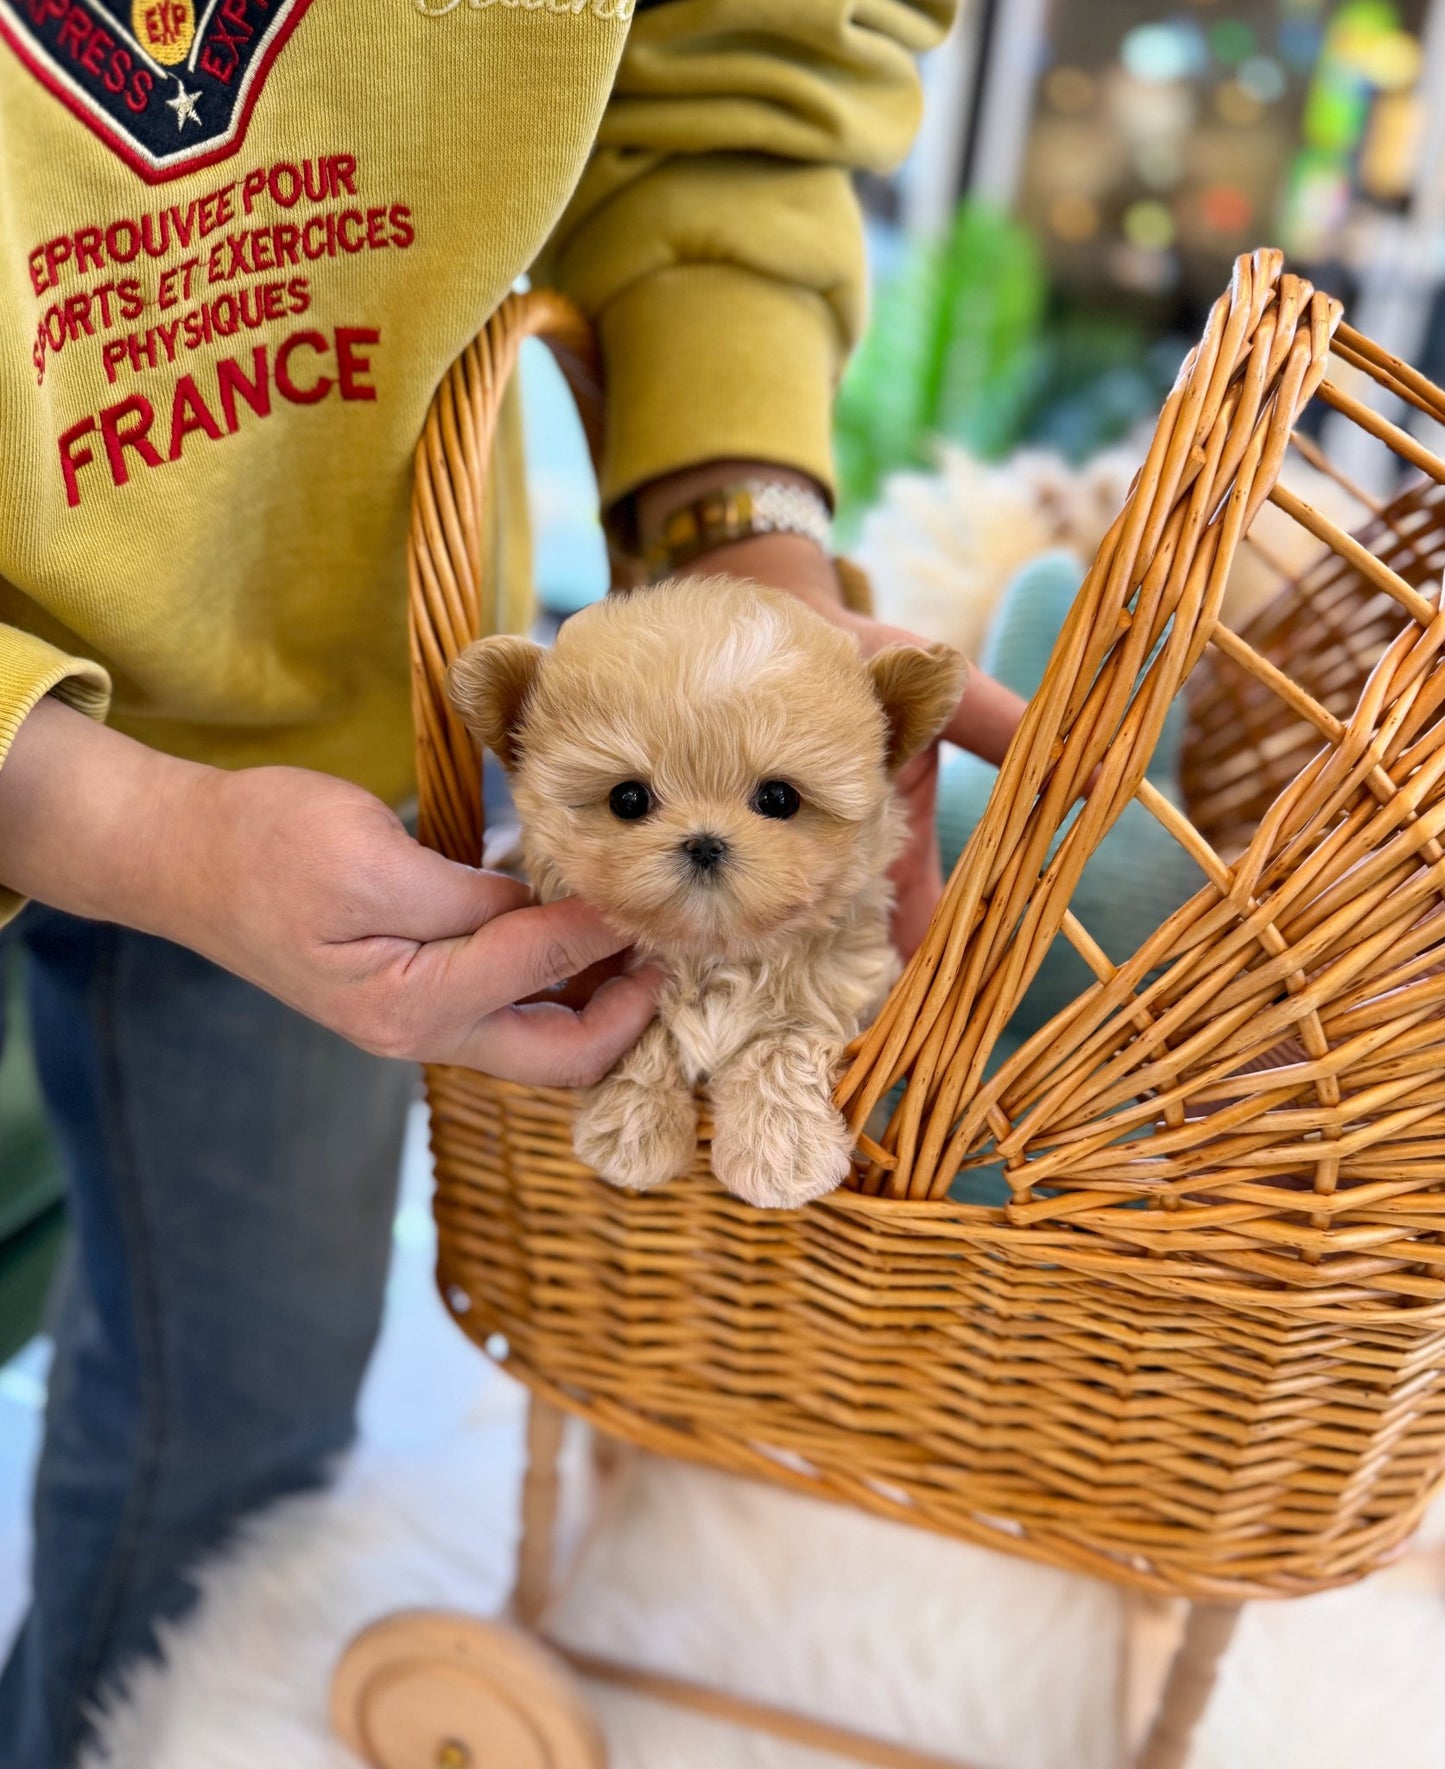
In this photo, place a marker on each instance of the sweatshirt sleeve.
(30, 668)
(715, 238)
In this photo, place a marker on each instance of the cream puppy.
(711, 765)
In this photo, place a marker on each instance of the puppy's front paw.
(778, 1140)
(636, 1134)
(781, 1173)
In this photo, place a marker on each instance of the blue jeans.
(232, 1176)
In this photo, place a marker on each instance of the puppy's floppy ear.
(489, 684)
(918, 686)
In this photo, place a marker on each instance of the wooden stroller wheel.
(426, 1689)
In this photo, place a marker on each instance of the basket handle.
(1142, 618)
(447, 571)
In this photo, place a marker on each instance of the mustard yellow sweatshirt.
(241, 240)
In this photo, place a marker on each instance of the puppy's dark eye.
(630, 801)
(775, 798)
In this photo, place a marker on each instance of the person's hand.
(312, 889)
(983, 722)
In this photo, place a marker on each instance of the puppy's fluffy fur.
(776, 952)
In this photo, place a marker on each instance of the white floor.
(22, 1395)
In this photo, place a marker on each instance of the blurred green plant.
(949, 351)
(965, 344)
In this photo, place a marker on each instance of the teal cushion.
(1139, 875)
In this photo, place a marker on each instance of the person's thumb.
(553, 1046)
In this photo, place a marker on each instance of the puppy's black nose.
(705, 852)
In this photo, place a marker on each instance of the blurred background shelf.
(1083, 179)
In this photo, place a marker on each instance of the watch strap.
(733, 513)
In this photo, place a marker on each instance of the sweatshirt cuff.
(29, 669)
(709, 362)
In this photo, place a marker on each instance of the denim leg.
(233, 1175)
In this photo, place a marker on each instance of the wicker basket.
(1200, 1351)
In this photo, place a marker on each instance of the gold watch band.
(733, 513)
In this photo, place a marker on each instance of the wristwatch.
(733, 513)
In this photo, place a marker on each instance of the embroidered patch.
(168, 84)
(621, 10)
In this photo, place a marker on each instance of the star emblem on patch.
(169, 85)
(184, 105)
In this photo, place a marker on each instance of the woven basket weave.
(1202, 1348)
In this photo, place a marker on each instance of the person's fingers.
(551, 1046)
(577, 991)
(986, 717)
(521, 953)
(917, 874)
(916, 899)
(917, 776)
(874, 635)
(418, 894)
(987, 714)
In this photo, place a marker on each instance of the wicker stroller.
(1201, 1350)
